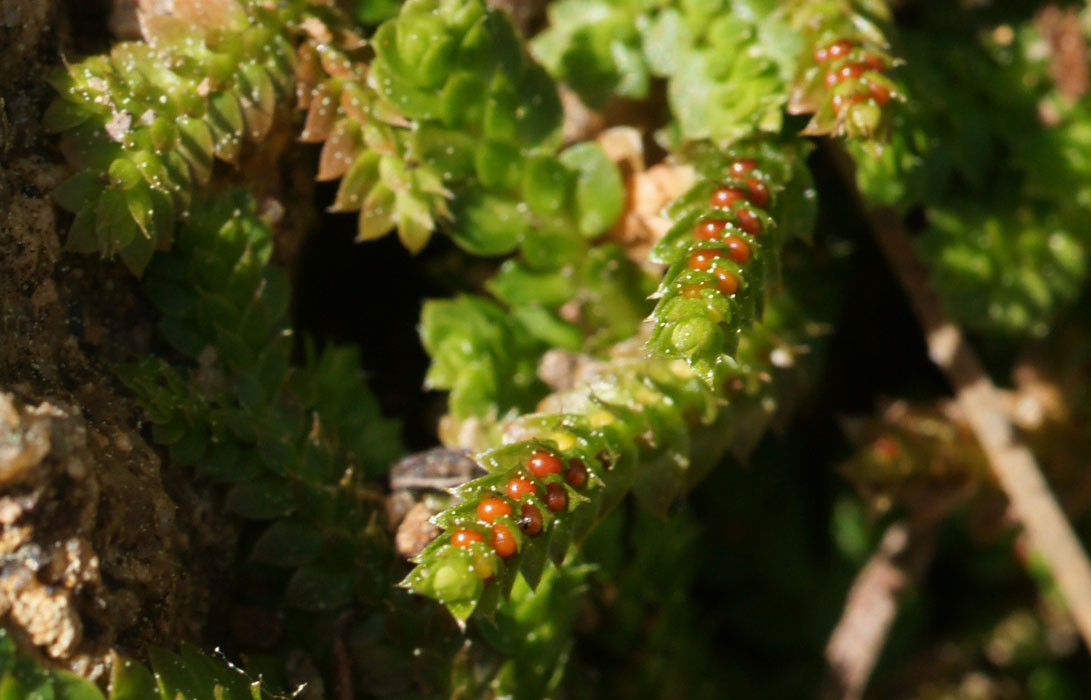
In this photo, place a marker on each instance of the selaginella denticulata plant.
(679, 422)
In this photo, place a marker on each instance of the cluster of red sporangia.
(518, 492)
(733, 199)
(838, 55)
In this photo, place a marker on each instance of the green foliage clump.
(483, 356)
(720, 84)
(454, 126)
(1006, 200)
(144, 123)
(188, 675)
(1032, 262)
(291, 441)
(487, 355)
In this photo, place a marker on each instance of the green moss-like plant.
(652, 426)
(293, 444)
(188, 675)
(144, 123)
(435, 116)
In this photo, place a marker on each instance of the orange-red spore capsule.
(556, 498)
(886, 447)
(724, 197)
(727, 283)
(875, 63)
(576, 476)
(738, 250)
(702, 259)
(464, 538)
(879, 93)
(759, 193)
(839, 49)
(710, 229)
(531, 520)
(519, 486)
(748, 221)
(541, 464)
(853, 71)
(503, 541)
(492, 508)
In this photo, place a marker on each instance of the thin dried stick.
(870, 609)
(1010, 460)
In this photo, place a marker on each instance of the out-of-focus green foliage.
(596, 48)
(1006, 196)
(372, 12)
(188, 675)
(1008, 271)
(720, 83)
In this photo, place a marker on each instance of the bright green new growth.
(291, 441)
(482, 355)
(144, 123)
(453, 126)
(188, 675)
(720, 83)
(487, 355)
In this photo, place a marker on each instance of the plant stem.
(1010, 461)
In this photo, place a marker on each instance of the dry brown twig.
(1010, 461)
(871, 607)
(876, 594)
(947, 465)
